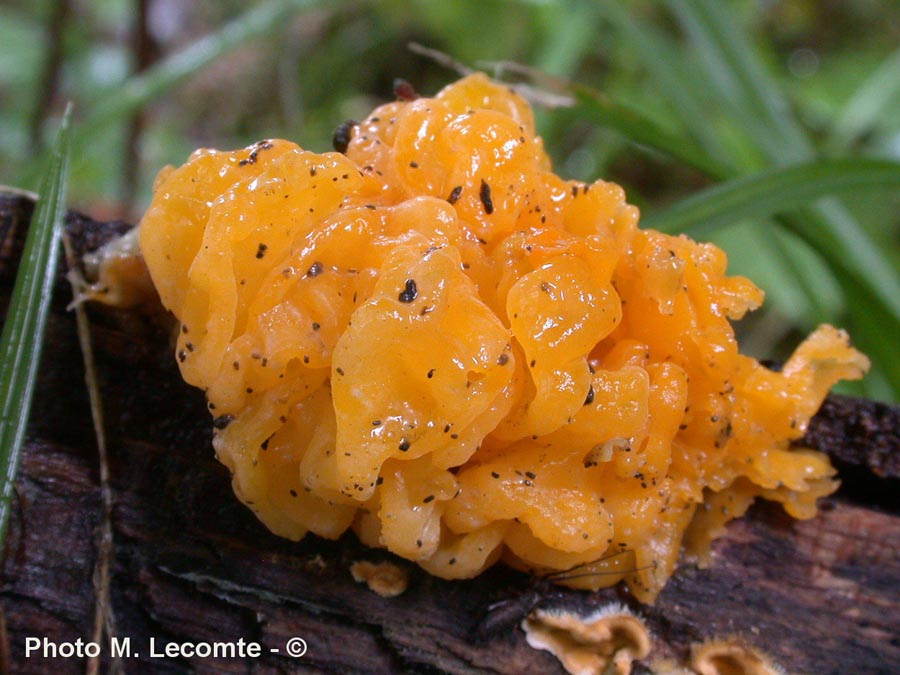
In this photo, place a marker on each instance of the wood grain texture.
(192, 564)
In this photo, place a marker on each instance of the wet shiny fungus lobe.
(571, 366)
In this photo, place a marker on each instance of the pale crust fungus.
(670, 667)
(119, 275)
(603, 643)
(731, 656)
(384, 578)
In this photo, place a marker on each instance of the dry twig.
(104, 619)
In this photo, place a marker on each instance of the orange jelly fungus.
(437, 342)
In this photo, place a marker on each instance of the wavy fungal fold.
(434, 340)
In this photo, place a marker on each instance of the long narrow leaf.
(138, 90)
(828, 227)
(639, 128)
(173, 70)
(822, 227)
(770, 192)
(23, 329)
(831, 229)
(873, 97)
(664, 63)
(578, 24)
(741, 80)
(873, 331)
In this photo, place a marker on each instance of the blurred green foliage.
(739, 87)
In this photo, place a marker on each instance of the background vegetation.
(684, 95)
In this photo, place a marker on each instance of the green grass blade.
(140, 89)
(871, 286)
(874, 331)
(23, 329)
(578, 24)
(869, 283)
(637, 127)
(770, 192)
(665, 64)
(740, 80)
(825, 227)
(831, 229)
(173, 70)
(871, 99)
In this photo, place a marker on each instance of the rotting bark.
(192, 564)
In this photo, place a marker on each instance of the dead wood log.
(192, 564)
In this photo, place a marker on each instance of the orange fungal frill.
(434, 340)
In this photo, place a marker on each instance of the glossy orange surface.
(435, 340)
